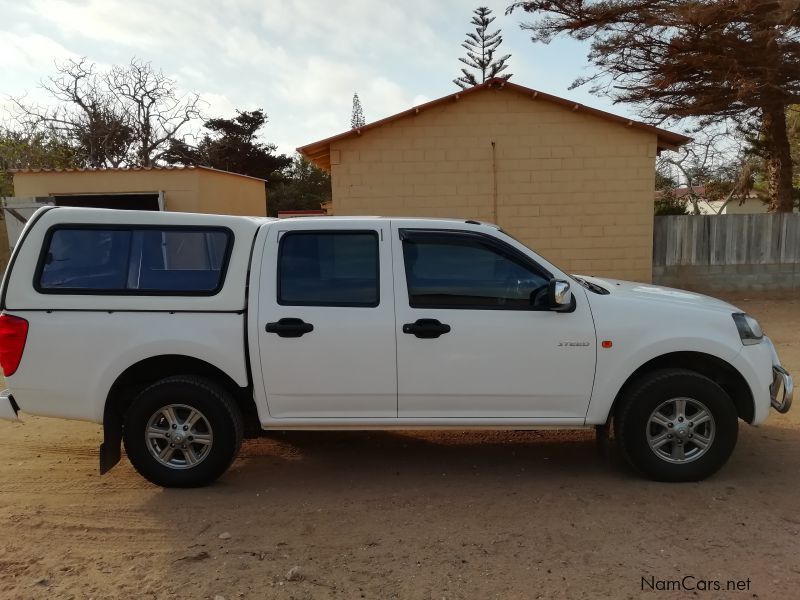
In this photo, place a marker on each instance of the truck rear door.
(326, 320)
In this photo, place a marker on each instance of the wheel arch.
(718, 370)
(147, 371)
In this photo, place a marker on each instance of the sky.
(299, 60)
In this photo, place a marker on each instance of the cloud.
(27, 57)
(299, 60)
(32, 52)
(142, 25)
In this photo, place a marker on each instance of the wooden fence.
(726, 240)
(728, 252)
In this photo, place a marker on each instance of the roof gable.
(134, 169)
(319, 152)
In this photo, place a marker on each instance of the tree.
(126, 116)
(793, 117)
(305, 187)
(710, 59)
(481, 47)
(157, 112)
(357, 117)
(712, 168)
(666, 202)
(33, 150)
(233, 145)
(86, 115)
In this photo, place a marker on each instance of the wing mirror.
(560, 295)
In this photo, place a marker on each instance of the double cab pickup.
(184, 333)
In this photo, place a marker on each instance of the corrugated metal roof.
(319, 152)
(126, 169)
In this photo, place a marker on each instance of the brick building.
(574, 183)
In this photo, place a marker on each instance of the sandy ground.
(403, 515)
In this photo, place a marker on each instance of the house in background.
(752, 205)
(574, 183)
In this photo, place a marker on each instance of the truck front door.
(475, 337)
(326, 320)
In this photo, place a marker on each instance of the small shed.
(177, 189)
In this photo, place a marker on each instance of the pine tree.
(481, 47)
(357, 118)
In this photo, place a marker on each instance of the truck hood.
(647, 292)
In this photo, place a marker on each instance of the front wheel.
(182, 431)
(676, 425)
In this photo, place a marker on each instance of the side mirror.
(560, 295)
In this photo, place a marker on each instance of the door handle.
(290, 328)
(426, 328)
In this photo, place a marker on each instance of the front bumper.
(781, 390)
(8, 407)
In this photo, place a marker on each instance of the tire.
(194, 450)
(662, 445)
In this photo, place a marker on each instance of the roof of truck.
(319, 219)
(138, 216)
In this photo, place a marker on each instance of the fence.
(728, 252)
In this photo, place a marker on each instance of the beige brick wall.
(222, 193)
(189, 190)
(576, 188)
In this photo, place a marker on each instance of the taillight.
(13, 333)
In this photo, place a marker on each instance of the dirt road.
(411, 515)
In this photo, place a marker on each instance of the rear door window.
(168, 261)
(328, 268)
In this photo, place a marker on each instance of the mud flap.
(601, 439)
(110, 451)
(109, 456)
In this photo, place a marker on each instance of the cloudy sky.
(299, 60)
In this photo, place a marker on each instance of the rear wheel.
(676, 425)
(182, 431)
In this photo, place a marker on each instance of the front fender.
(616, 365)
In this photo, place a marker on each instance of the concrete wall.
(730, 278)
(185, 190)
(576, 188)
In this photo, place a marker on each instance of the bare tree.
(86, 114)
(715, 167)
(126, 116)
(157, 112)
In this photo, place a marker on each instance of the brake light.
(13, 333)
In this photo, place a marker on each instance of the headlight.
(749, 329)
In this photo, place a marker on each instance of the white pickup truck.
(183, 333)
